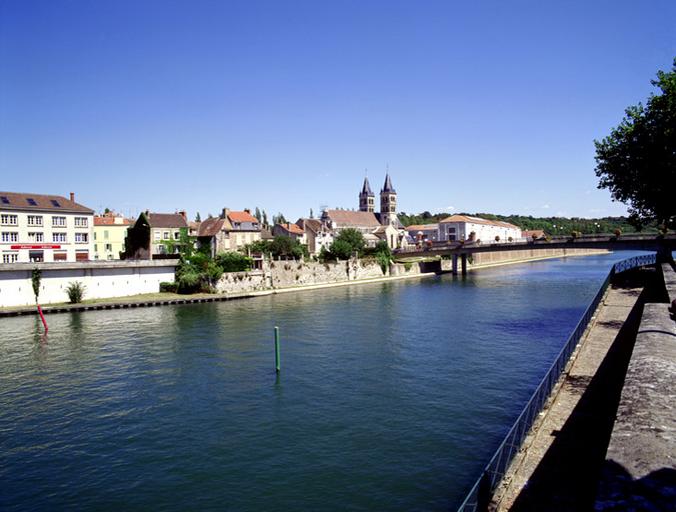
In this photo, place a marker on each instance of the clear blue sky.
(475, 106)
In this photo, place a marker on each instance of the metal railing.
(636, 261)
(479, 497)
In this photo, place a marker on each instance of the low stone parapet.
(639, 472)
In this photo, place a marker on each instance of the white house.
(461, 227)
(44, 228)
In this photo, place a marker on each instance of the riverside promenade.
(606, 440)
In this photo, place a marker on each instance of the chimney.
(72, 196)
(224, 214)
(248, 210)
(183, 214)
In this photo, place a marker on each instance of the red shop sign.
(36, 246)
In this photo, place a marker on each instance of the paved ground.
(559, 466)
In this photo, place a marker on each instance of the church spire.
(366, 197)
(388, 184)
(366, 189)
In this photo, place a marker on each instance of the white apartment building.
(461, 227)
(37, 227)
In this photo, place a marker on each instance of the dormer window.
(55, 203)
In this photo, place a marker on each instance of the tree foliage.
(36, 278)
(350, 238)
(637, 161)
(280, 247)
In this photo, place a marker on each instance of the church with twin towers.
(375, 225)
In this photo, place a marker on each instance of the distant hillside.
(551, 225)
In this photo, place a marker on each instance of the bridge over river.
(460, 251)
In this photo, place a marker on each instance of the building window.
(9, 220)
(10, 257)
(177, 235)
(35, 220)
(80, 238)
(109, 247)
(451, 230)
(58, 237)
(36, 237)
(10, 236)
(60, 256)
(81, 222)
(165, 235)
(157, 236)
(59, 222)
(36, 256)
(105, 235)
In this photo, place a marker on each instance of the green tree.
(258, 215)
(341, 249)
(36, 278)
(637, 161)
(284, 246)
(353, 238)
(197, 217)
(234, 262)
(265, 218)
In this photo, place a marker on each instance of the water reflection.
(391, 396)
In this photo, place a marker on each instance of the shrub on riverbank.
(75, 292)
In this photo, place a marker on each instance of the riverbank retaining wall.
(101, 280)
(293, 273)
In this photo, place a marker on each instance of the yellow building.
(110, 231)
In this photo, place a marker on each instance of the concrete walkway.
(560, 462)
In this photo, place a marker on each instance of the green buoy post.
(277, 349)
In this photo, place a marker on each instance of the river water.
(392, 396)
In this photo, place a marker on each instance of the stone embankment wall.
(292, 273)
(101, 280)
(642, 445)
(501, 257)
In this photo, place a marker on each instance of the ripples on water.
(392, 396)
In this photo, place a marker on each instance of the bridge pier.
(464, 264)
(455, 264)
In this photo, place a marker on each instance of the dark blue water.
(391, 397)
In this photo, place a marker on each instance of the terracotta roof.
(349, 219)
(478, 220)
(266, 235)
(292, 228)
(109, 220)
(241, 217)
(422, 227)
(210, 226)
(166, 220)
(314, 225)
(39, 202)
(530, 232)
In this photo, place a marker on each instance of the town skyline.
(472, 108)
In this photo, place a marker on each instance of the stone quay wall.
(101, 280)
(293, 273)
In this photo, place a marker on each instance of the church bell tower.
(388, 202)
(367, 198)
